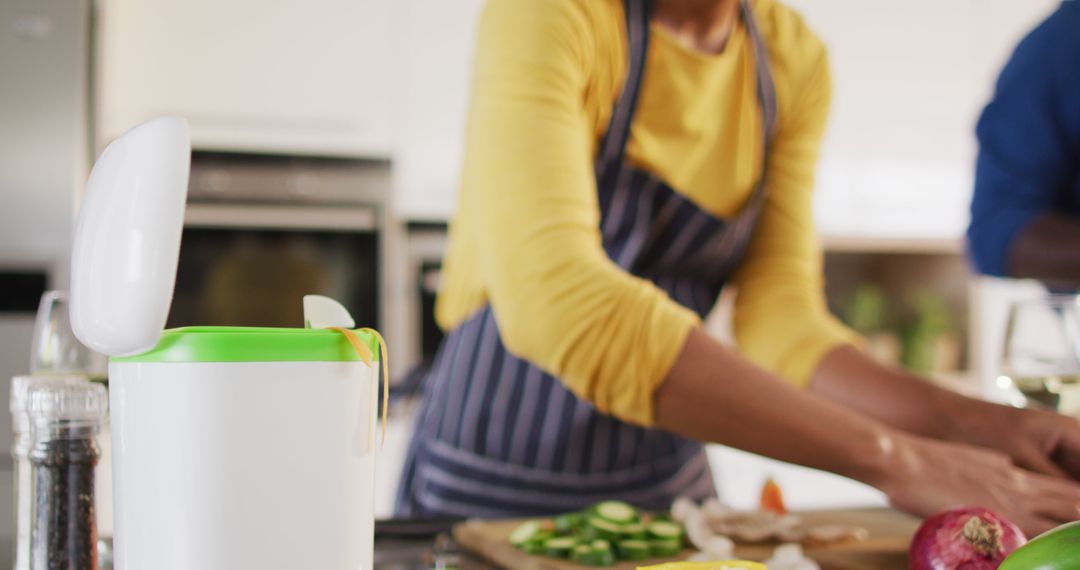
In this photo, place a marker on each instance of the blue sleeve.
(1025, 147)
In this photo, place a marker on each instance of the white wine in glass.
(1042, 353)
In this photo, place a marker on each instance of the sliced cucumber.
(569, 522)
(602, 554)
(559, 547)
(603, 558)
(597, 528)
(599, 536)
(543, 536)
(665, 530)
(525, 532)
(535, 545)
(582, 553)
(665, 548)
(634, 531)
(617, 512)
(633, 550)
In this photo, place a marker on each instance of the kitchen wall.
(910, 79)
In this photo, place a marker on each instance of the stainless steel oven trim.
(417, 248)
(351, 218)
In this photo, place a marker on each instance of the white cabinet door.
(290, 76)
(434, 49)
(910, 80)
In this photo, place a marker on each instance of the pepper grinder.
(20, 452)
(64, 423)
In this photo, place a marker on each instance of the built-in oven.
(262, 231)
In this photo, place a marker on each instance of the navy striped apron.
(499, 437)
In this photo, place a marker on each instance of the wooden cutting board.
(885, 549)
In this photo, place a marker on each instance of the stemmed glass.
(1041, 359)
(55, 348)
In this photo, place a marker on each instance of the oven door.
(249, 264)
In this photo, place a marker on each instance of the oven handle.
(350, 218)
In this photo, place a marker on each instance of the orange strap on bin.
(365, 355)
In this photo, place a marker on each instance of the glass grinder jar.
(64, 424)
(20, 453)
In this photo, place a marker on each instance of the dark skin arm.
(1043, 442)
(1047, 249)
(714, 394)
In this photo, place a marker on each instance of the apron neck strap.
(766, 89)
(638, 14)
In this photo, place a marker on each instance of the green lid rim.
(254, 344)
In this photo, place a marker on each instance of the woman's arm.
(713, 394)
(895, 397)
(1043, 442)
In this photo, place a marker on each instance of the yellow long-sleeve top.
(526, 235)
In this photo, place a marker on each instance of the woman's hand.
(929, 476)
(714, 394)
(1039, 440)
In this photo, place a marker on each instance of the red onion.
(964, 538)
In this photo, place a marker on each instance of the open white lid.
(127, 238)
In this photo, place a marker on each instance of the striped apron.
(499, 437)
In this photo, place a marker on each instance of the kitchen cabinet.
(287, 77)
(434, 46)
(909, 83)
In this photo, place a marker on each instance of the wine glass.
(1041, 360)
(55, 348)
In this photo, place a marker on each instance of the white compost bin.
(233, 448)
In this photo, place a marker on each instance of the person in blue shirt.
(1025, 214)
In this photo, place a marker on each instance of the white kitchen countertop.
(738, 474)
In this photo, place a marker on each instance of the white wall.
(910, 80)
(434, 42)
